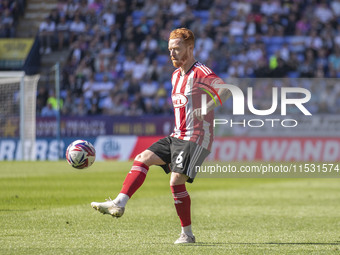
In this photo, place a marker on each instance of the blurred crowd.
(119, 62)
(10, 11)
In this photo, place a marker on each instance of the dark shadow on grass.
(12, 210)
(269, 243)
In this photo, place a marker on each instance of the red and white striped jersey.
(186, 97)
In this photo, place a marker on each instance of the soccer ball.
(80, 154)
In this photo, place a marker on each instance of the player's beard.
(180, 62)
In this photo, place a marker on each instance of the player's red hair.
(186, 34)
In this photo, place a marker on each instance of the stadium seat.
(272, 48)
(277, 40)
(239, 39)
(293, 74)
(224, 75)
(162, 59)
(204, 15)
(266, 40)
(251, 39)
(137, 14)
(289, 39)
(98, 76)
(301, 57)
(168, 86)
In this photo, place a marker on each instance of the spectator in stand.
(48, 111)
(335, 7)
(75, 85)
(88, 88)
(82, 8)
(131, 49)
(53, 101)
(54, 16)
(106, 49)
(108, 16)
(46, 35)
(149, 46)
(70, 67)
(328, 98)
(112, 105)
(148, 89)
(307, 67)
(251, 25)
(80, 109)
(77, 27)
(101, 63)
(115, 70)
(255, 53)
(297, 43)
(7, 24)
(236, 69)
(42, 97)
(277, 24)
(114, 45)
(154, 71)
(96, 5)
(243, 6)
(63, 30)
(17, 8)
(270, 7)
(134, 110)
(77, 51)
(284, 52)
(150, 8)
(104, 87)
(94, 110)
(140, 67)
(293, 62)
(91, 18)
(177, 7)
(68, 106)
(237, 26)
(291, 24)
(129, 65)
(138, 35)
(105, 29)
(84, 69)
(323, 13)
(263, 27)
(68, 8)
(334, 60)
(204, 45)
(313, 41)
(303, 25)
(327, 35)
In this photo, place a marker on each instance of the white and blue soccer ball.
(80, 154)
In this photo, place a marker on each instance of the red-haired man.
(190, 142)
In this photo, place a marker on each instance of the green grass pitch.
(45, 209)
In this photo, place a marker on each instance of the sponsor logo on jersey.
(179, 100)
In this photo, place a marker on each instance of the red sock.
(134, 178)
(182, 203)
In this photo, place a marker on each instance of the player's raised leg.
(183, 205)
(134, 179)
